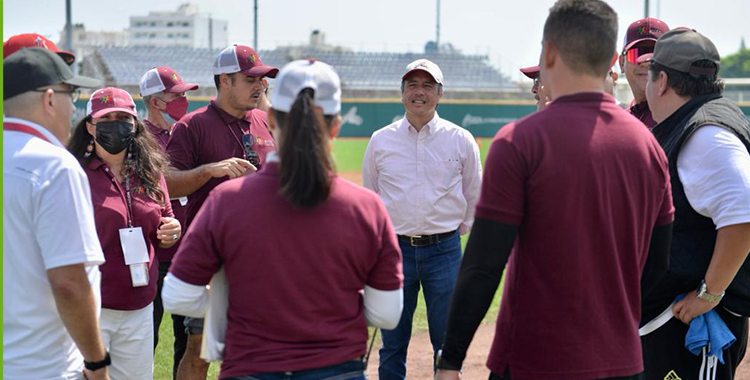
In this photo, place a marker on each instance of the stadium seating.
(357, 70)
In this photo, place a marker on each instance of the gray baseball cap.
(680, 48)
(32, 68)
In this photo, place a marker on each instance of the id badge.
(183, 200)
(136, 254)
(139, 274)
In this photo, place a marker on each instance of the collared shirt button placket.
(422, 177)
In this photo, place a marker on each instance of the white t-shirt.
(48, 222)
(714, 168)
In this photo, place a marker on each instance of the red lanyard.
(16, 127)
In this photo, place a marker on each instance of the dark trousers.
(639, 376)
(351, 370)
(665, 355)
(178, 328)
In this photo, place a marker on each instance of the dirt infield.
(355, 177)
(419, 359)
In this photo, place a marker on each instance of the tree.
(736, 65)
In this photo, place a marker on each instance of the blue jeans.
(435, 268)
(351, 370)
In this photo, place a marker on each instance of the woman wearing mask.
(132, 213)
(310, 258)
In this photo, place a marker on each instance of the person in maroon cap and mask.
(639, 44)
(226, 139)
(27, 40)
(124, 167)
(163, 92)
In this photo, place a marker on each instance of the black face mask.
(114, 136)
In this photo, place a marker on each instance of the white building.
(184, 27)
(83, 38)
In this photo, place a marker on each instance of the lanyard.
(15, 127)
(129, 198)
(242, 146)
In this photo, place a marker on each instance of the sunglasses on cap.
(633, 53)
(248, 141)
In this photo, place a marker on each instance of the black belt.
(423, 240)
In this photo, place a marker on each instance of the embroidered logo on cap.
(40, 42)
(642, 29)
(106, 98)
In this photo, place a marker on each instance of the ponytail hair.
(306, 164)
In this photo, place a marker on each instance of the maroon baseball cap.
(532, 71)
(110, 99)
(647, 29)
(163, 78)
(242, 59)
(20, 41)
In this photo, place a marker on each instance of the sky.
(508, 32)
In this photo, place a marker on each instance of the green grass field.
(348, 154)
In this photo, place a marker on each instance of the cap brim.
(261, 71)
(179, 88)
(105, 111)
(403, 77)
(532, 72)
(86, 82)
(630, 45)
(645, 58)
(67, 56)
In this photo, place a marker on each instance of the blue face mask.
(114, 136)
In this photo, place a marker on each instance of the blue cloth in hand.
(705, 329)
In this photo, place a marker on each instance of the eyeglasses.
(632, 54)
(250, 155)
(536, 82)
(75, 93)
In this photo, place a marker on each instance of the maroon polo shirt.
(586, 184)
(111, 214)
(180, 212)
(643, 113)
(209, 135)
(295, 275)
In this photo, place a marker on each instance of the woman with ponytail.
(124, 166)
(310, 258)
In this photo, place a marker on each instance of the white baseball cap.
(307, 73)
(163, 78)
(427, 66)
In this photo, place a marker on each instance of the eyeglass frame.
(75, 93)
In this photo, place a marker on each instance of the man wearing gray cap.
(51, 251)
(706, 139)
(428, 173)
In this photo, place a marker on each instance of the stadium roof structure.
(123, 66)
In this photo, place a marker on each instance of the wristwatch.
(706, 296)
(442, 364)
(93, 366)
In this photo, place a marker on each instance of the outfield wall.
(362, 117)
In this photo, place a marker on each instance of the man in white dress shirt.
(428, 173)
